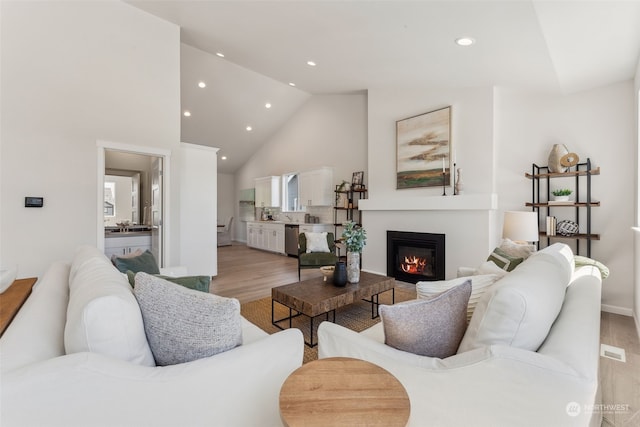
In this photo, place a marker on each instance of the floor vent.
(612, 352)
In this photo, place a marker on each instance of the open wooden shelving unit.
(540, 201)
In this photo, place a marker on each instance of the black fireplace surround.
(414, 257)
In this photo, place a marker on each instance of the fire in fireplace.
(413, 257)
(413, 265)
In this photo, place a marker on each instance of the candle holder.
(455, 192)
(444, 191)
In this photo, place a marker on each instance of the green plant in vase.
(354, 238)
(561, 195)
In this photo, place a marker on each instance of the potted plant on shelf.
(354, 237)
(561, 195)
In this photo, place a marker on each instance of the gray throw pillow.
(431, 327)
(183, 324)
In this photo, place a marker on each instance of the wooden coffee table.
(341, 391)
(314, 297)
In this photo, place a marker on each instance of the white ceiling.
(557, 46)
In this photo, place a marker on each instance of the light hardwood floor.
(249, 274)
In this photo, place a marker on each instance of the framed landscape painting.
(424, 149)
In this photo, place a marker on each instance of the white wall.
(227, 200)
(598, 124)
(198, 201)
(469, 233)
(329, 130)
(498, 134)
(74, 73)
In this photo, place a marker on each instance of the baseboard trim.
(635, 318)
(623, 311)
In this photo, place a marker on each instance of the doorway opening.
(133, 200)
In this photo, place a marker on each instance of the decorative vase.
(555, 156)
(353, 267)
(459, 187)
(340, 274)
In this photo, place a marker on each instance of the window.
(109, 199)
(290, 192)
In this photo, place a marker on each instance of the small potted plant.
(354, 237)
(561, 195)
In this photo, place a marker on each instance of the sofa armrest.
(504, 385)
(239, 387)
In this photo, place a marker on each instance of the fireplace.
(414, 257)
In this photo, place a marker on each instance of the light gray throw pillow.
(432, 327)
(183, 324)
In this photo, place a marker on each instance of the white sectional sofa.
(112, 382)
(494, 380)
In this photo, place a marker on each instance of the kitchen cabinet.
(315, 228)
(316, 187)
(267, 236)
(123, 244)
(268, 192)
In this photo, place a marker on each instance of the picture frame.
(423, 150)
(357, 180)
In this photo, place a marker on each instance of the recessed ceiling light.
(249, 128)
(187, 113)
(224, 157)
(202, 85)
(267, 105)
(292, 84)
(220, 54)
(311, 63)
(465, 41)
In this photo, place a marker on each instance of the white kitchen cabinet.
(126, 244)
(315, 228)
(268, 192)
(316, 187)
(266, 236)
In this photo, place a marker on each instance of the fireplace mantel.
(469, 202)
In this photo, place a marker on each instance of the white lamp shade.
(520, 226)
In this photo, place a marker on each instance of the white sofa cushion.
(37, 331)
(428, 327)
(103, 315)
(479, 285)
(520, 309)
(183, 324)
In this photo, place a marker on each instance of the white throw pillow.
(317, 242)
(103, 315)
(517, 250)
(479, 285)
(184, 324)
(520, 309)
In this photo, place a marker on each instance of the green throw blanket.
(583, 260)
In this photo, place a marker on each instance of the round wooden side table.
(341, 391)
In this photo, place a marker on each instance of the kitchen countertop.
(290, 222)
(134, 230)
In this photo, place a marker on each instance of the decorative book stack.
(551, 225)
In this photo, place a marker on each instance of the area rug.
(356, 317)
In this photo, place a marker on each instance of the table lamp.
(521, 227)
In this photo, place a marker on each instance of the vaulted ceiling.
(554, 46)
